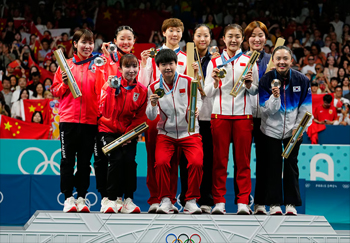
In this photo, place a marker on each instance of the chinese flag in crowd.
(45, 74)
(36, 49)
(42, 105)
(34, 30)
(13, 128)
(138, 48)
(15, 64)
(66, 44)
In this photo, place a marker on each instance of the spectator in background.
(16, 107)
(14, 82)
(327, 44)
(341, 75)
(22, 84)
(37, 117)
(345, 55)
(210, 21)
(47, 83)
(319, 68)
(338, 100)
(48, 95)
(304, 60)
(6, 57)
(333, 84)
(156, 39)
(345, 86)
(35, 80)
(344, 117)
(310, 67)
(334, 51)
(4, 108)
(338, 27)
(39, 91)
(325, 113)
(8, 33)
(43, 52)
(330, 70)
(52, 67)
(6, 84)
(314, 88)
(317, 54)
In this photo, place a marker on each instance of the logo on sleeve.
(296, 88)
(136, 96)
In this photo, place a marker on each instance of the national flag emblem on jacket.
(296, 88)
(136, 96)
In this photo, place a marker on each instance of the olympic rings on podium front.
(183, 235)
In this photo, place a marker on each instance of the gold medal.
(159, 92)
(222, 73)
(153, 52)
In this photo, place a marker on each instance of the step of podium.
(56, 226)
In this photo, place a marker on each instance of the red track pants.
(193, 149)
(238, 131)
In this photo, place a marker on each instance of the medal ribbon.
(229, 60)
(161, 86)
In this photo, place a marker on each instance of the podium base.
(56, 226)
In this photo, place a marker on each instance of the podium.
(56, 226)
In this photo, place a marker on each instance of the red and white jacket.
(112, 66)
(83, 109)
(122, 113)
(150, 73)
(173, 108)
(226, 106)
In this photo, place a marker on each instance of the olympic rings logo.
(88, 201)
(1, 197)
(42, 166)
(182, 238)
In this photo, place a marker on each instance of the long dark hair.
(41, 116)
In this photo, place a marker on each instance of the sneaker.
(153, 208)
(110, 207)
(119, 202)
(130, 207)
(243, 209)
(275, 210)
(191, 207)
(166, 207)
(205, 209)
(259, 209)
(104, 203)
(81, 206)
(219, 209)
(291, 210)
(69, 205)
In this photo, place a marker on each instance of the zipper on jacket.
(81, 88)
(122, 111)
(285, 110)
(177, 133)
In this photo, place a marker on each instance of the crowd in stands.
(318, 32)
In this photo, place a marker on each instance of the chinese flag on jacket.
(42, 105)
(13, 128)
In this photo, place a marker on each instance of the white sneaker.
(119, 203)
(243, 209)
(219, 209)
(153, 208)
(191, 207)
(291, 210)
(104, 203)
(205, 209)
(110, 207)
(275, 210)
(166, 207)
(259, 209)
(81, 206)
(69, 205)
(130, 207)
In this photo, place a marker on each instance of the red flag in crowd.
(66, 44)
(24, 41)
(15, 64)
(42, 105)
(13, 128)
(31, 62)
(1, 88)
(19, 22)
(36, 49)
(2, 24)
(138, 48)
(44, 74)
(34, 30)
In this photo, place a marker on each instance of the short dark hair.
(339, 86)
(123, 27)
(6, 78)
(165, 56)
(280, 48)
(327, 98)
(335, 78)
(36, 74)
